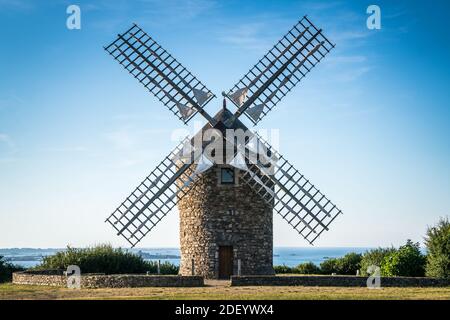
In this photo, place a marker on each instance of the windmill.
(226, 201)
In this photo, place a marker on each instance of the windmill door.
(225, 262)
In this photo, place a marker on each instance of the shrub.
(103, 259)
(347, 265)
(407, 261)
(437, 241)
(283, 269)
(7, 269)
(374, 257)
(329, 266)
(167, 268)
(307, 268)
(164, 268)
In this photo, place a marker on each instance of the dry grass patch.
(223, 292)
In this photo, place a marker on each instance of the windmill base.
(225, 229)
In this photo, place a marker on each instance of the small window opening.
(227, 176)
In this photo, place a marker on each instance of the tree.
(437, 241)
(374, 257)
(407, 261)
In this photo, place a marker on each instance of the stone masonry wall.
(41, 278)
(206, 223)
(107, 281)
(335, 281)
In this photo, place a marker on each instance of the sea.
(289, 256)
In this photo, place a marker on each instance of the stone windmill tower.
(226, 180)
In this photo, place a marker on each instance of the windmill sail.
(153, 198)
(299, 202)
(278, 183)
(160, 73)
(279, 70)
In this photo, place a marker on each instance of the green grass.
(223, 292)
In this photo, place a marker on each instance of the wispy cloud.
(128, 137)
(353, 73)
(350, 35)
(346, 111)
(250, 36)
(66, 149)
(346, 59)
(348, 68)
(6, 139)
(16, 4)
(151, 12)
(132, 145)
(7, 148)
(124, 117)
(129, 148)
(122, 138)
(344, 64)
(171, 9)
(395, 14)
(126, 163)
(8, 101)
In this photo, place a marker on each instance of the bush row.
(347, 265)
(407, 260)
(104, 259)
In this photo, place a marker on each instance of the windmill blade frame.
(154, 198)
(292, 196)
(161, 74)
(279, 71)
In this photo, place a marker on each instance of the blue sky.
(369, 126)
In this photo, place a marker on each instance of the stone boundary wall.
(335, 281)
(59, 279)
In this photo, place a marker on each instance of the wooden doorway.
(225, 262)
